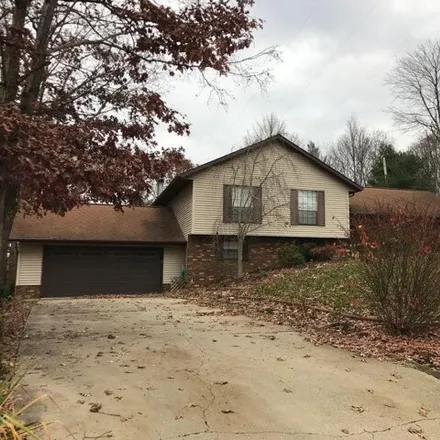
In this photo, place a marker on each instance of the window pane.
(241, 197)
(242, 214)
(229, 250)
(230, 245)
(308, 217)
(308, 200)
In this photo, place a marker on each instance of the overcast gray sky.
(335, 56)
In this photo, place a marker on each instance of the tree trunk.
(8, 210)
(240, 257)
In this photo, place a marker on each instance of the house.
(277, 190)
(381, 201)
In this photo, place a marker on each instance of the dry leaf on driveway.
(95, 407)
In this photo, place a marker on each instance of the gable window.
(227, 249)
(307, 207)
(241, 204)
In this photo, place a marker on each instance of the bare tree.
(269, 125)
(355, 150)
(428, 149)
(255, 195)
(314, 150)
(415, 83)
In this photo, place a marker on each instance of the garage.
(95, 270)
(97, 250)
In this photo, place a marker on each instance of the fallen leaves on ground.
(13, 316)
(367, 338)
(95, 407)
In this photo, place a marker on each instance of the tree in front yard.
(400, 255)
(81, 94)
(255, 195)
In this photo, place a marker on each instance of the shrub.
(400, 271)
(290, 256)
(6, 290)
(305, 249)
(328, 252)
(322, 253)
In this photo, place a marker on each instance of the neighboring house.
(286, 194)
(382, 201)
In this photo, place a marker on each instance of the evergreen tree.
(405, 170)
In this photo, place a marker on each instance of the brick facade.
(205, 268)
(28, 292)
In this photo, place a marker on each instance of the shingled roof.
(101, 223)
(382, 200)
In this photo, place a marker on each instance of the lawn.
(333, 285)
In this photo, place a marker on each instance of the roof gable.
(180, 181)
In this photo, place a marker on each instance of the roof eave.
(73, 240)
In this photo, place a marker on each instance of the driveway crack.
(390, 428)
(207, 385)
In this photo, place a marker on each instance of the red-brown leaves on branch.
(80, 91)
(58, 167)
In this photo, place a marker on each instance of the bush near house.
(400, 268)
(290, 256)
(306, 249)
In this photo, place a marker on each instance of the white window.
(242, 196)
(307, 207)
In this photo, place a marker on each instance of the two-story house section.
(274, 189)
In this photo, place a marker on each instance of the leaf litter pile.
(13, 315)
(322, 302)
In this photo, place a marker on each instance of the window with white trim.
(307, 207)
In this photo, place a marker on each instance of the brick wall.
(28, 292)
(204, 268)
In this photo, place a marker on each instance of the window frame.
(242, 214)
(295, 205)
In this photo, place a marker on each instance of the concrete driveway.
(162, 369)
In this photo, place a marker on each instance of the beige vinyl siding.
(173, 260)
(29, 264)
(182, 206)
(296, 173)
